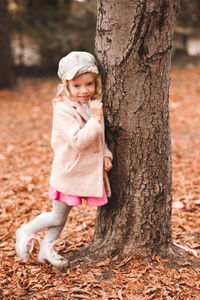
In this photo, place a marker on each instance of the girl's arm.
(107, 152)
(107, 158)
(66, 126)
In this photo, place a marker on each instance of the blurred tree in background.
(43, 31)
(187, 29)
(53, 27)
(6, 74)
(189, 15)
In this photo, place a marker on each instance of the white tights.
(54, 221)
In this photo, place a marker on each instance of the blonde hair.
(63, 91)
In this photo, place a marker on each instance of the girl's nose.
(83, 89)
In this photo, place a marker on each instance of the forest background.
(40, 33)
(43, 31)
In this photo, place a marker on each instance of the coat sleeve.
(107, 152)
(69, 129)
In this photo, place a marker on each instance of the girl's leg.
(54, 231)
(49, 219)
(56, 218)
(46, 247)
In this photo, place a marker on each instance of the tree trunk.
(6, 75)
(133, 45)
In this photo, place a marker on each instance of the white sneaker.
(47, 253)
(24, 242)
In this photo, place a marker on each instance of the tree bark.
(6, 75)
(133, 46)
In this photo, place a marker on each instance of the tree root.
(176, 257)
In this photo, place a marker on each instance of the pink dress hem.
(76, 200)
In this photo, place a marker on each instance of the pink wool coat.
(79, 149)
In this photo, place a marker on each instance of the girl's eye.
(90, 83)
(76, 85)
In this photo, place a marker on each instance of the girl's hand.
(107, 164)
(96, 107)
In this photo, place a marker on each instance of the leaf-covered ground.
(25, 159)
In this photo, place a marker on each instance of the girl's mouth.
(84, 98)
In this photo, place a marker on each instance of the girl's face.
(82, 88)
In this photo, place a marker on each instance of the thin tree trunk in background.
(6, 75)
(133, 45)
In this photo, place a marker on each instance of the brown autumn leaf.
(26, 156)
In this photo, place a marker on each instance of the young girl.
(81, 157)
